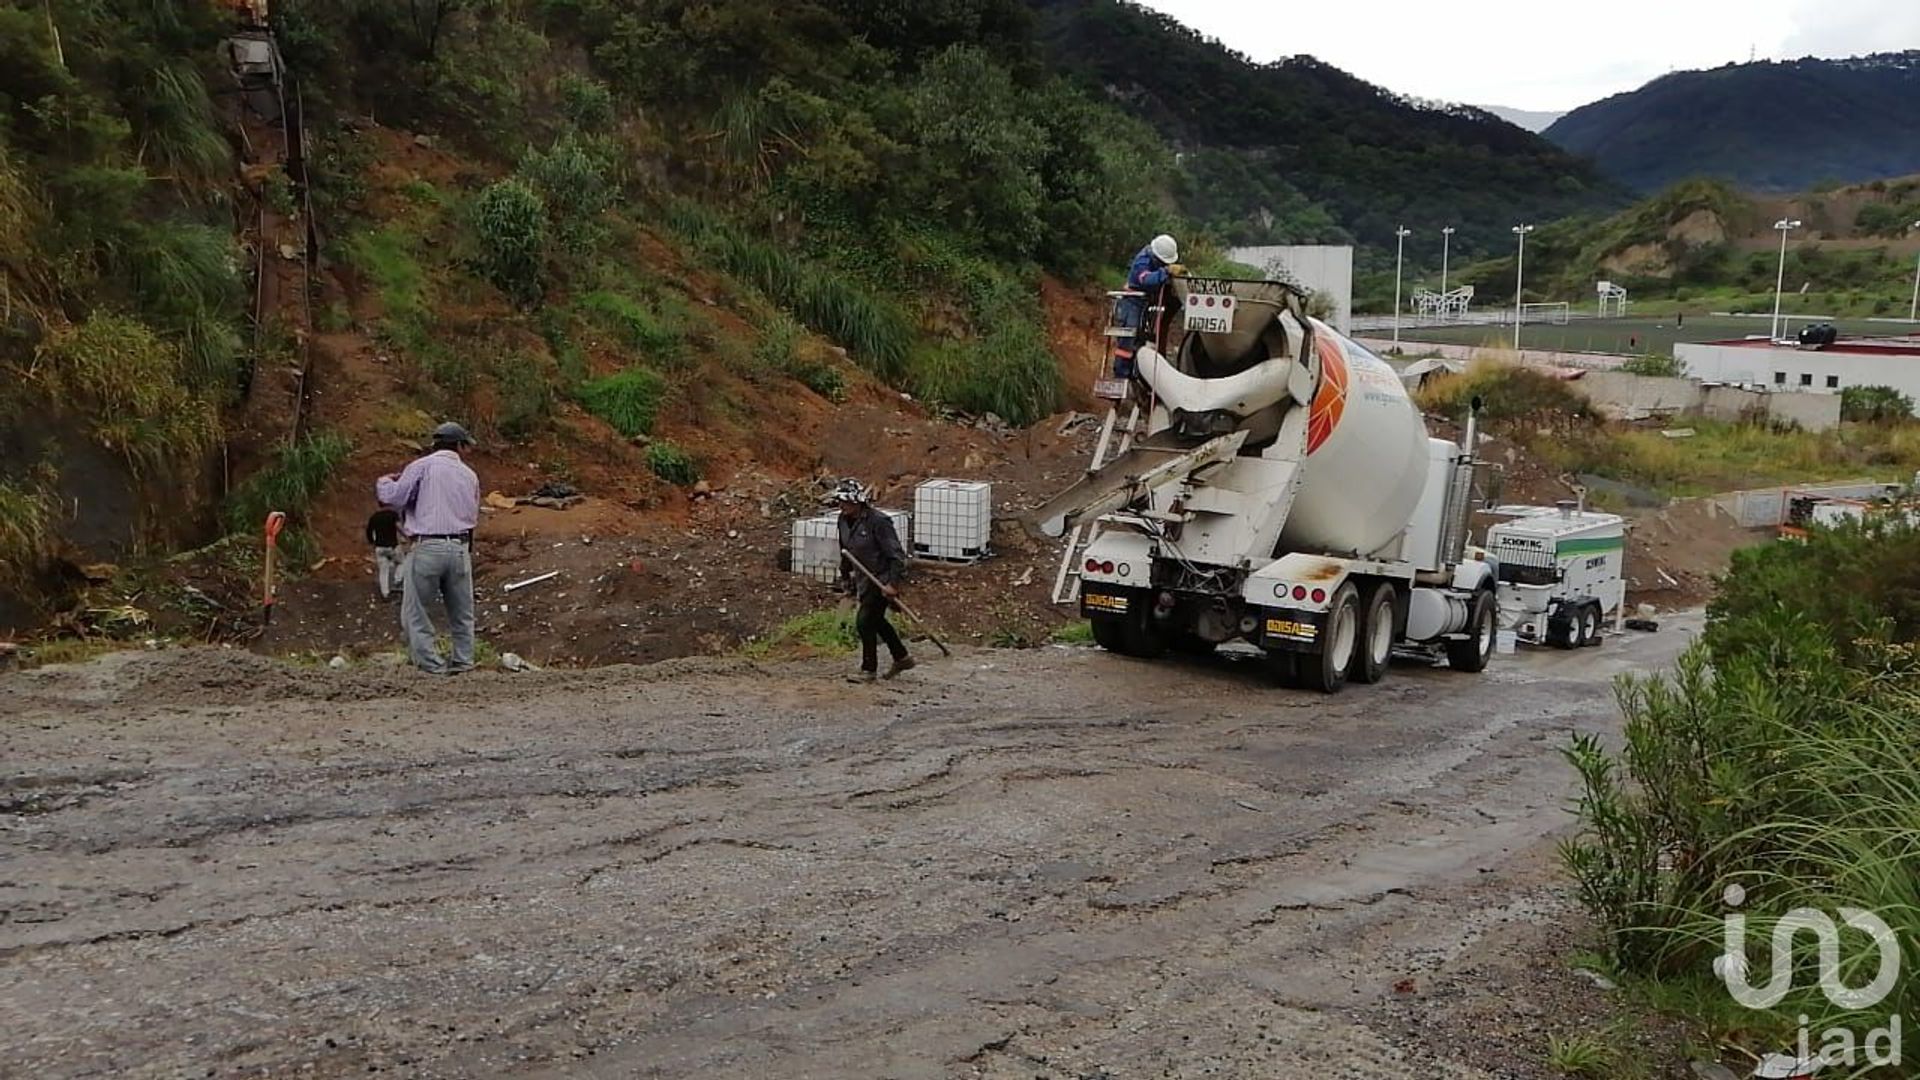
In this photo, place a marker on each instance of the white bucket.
(1506, 641)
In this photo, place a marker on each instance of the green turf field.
(1631, 336)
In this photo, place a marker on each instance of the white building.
(1325, 268)
(1848, 362)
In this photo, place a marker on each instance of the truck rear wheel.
(1470, 654)
(1327, 671)
(1375, 645)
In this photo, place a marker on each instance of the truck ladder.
(1066, 584)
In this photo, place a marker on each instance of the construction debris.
(535, 580)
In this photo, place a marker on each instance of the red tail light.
(1093, 566)
(1299, 592)
(1319, 596)
(1106, 568)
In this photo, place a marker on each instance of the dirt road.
(1052, 863)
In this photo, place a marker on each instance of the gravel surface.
(1052, 863)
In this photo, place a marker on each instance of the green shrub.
(672, 464)
(658, 340)
(1875, 405)
(1781, 756)
(26, 530)
(289, 485)
(874, 330)
(629, 400)
(172, 117)
(571, 178)
(584, 101)
(778, 344)
(1010, 373)
(822, 378)
(510, 225)
(135, 388)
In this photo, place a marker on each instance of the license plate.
(1209, 313)
(1107, 602)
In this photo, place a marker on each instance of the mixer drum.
(1367, 455)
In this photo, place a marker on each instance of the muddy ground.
(1046, 863)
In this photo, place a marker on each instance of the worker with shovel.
(871, 565)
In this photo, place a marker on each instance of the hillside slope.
(1300, 151)
(1769, 126)
(1701, 243)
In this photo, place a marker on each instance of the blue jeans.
(440, 569)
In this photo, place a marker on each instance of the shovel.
(899, 603)
(275, 521)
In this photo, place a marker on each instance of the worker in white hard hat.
(868, 535)
(1152, 268)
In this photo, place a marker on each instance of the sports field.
(1631, 336)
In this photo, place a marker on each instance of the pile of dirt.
(1675, 553)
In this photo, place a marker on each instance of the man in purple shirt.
(438, 498)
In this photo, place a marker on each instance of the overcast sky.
(1545, 54)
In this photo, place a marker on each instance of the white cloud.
(1852, 27)
(1546, 54)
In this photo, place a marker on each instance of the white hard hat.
(1165, 249)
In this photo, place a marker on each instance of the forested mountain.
(1298, 151)
(1768, 127)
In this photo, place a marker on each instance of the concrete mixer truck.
(1284, 494)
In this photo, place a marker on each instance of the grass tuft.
(827, 632)
(289, 485)
(629, 400)
(659, 337)
(875, 331)
(672, 464)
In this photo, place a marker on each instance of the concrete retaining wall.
(1542, 357)
(1639, 397)
(1766, 508)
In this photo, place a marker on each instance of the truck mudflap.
(1293, 631)
(1098, 601)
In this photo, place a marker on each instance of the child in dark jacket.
(383, 532)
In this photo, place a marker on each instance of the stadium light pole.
(1913, 309)
(1780, 279)
(1400, 234)
(1446, 241)
(1519, 280)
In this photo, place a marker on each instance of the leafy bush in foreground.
(1783, 757)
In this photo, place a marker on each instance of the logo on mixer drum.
(1331, 400)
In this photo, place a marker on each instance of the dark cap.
(452, 434)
